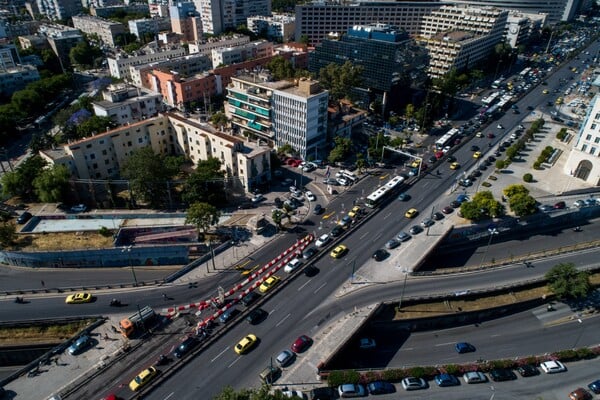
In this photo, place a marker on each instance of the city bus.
(384, 192)
(447, 139)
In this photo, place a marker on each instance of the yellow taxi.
(354, 212)
(78, 298)
(545, 91)
(477, 154)
(269, 283)
(454, 165)
(143, 378)
(416, 163)
(411, 213)
(339, 251)
(559, 101)
(245, 344)
(479, 134)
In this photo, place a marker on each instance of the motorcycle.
(19, 300)
(115, 303)
(577, 229)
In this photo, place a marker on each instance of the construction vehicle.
(138, 321)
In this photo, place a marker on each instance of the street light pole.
(403, 288)
(492, 231)
(128, 250)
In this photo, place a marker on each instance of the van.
(351, 176)
(270, 374)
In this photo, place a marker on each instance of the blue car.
(595, 386)
(464, 347)
(381, 387)
(80, 345)
(446, 380)
(462, 198)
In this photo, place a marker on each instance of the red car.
(491, 135)
(302, 343)
(439, 154)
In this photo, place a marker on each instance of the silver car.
(403, 236)
(285, 358)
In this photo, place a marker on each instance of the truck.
(139, 320)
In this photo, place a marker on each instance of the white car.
(412, 383)
(446, 149)
(258, 198)
(293, 394)
(343, 181)
(351, 390)
(323, 240)
(552, 367)
(292, 265)
(499, 126)
(310, 196)
(474, 377)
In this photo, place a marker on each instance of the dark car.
(26, 216)
(311, 270)
(528, 370)
(278, 202)
(415, 229)
(451, 159)
(308, 253)
(448, 209)
(502, 374)
(474, 148)
(185, 347)
(380, 255)
(247, 206)
(381, 387)
(256, 316)
(318, 209)
(228, 315)
(560, 205)
(302, 343)
(491, 159)
(250, 298)
(438, 216)
(464, 347)
(446, 380)
(455, 204)
(432, 159)
(403, 197)
(595, 386)
(530, 108)
(337, 231)
(476, 173)
(323, 393)
(79, 345)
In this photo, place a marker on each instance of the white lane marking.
(302, 287)
(376, 237)
(236, 360)
(387, 215)
(170, 395)
(444, 344)
(364, 234)
(320, 287)
(220, 354)
(283, 320)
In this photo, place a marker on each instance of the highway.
(305, 303)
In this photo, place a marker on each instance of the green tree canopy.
(512, 190)
(340, 79)
(148, 174)
(8, 234)
(206, 184)
(202, 215)
(342, 149)
(52, 184)
(482, 205)
(19, 182)
(566, 281)
(84, 54)
(94, 125)
(263, 393)
(219, 119)
(522, 204)
(281, 68)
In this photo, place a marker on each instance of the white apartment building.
(233, 55)
(187, 65)
(101, 156)
(207, 46)
(119, 65)
(126, 104)
(278, 27)
(106, 30)
(57, 9)
(521, 26)
(139, 27)
(584, 160)
(300, 117)
(457, 37)
(219, 15)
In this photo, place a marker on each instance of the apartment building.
(584, 159)
(208, 45)
(278, 27)
(151, 26)
(178, 90)
(317, 20)
(220, 15)
(126, 104)
(556, 10)
(9, 56)
(238, 54)
(458, 37)
(186, 21)
(186, 66)
(522, 27)
(106, 30)
(119, 64)
(109, 11)
(16, 78)
(299, 115)
(56, 9)
(101, 156)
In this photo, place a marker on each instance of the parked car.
(310, 270)
(292, 265)
(380, 255)
(528, 370)
(322, 393)
(367, 344)
(412, 383)
(438, 216)
(595, 386)
(301, 344)
(318, 209)
(228, 315)
(474, 377)
(392, 244)
(348, 390)
(580, 394)
(337, 231)
(323, 240)
(309, 252)
(443, 380)
(78, 208)
(560, 205)
(80, 344)
(26, 216)
(381, 387)
(502, 374)
(552, 367)
(415, 230)
(403, 236)
(448, 209)
(310, 196)
(427, 222)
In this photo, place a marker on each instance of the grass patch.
(40, 333)
(64, 241)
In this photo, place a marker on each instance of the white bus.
(447, 139)
(382, 193)
(491, 98)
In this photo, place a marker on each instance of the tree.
(203, 216)
(522, 204)
(94, 125)
(281, 68)
(219, 119)
(8, 234)
(148, 174)
(512, 190)
(206, 184)
(277, 217)
(409, 112)
(18, 182)
(84, 54)
(566, 281)
(481, 206)
(342, 149)
(287, 149)
(340, 79)
(500, 165)
(360, 162)
(51, 184)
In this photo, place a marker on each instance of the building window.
(593, 126)
(584, 147)
(593, 151)
(588, 137)
(597, 139)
